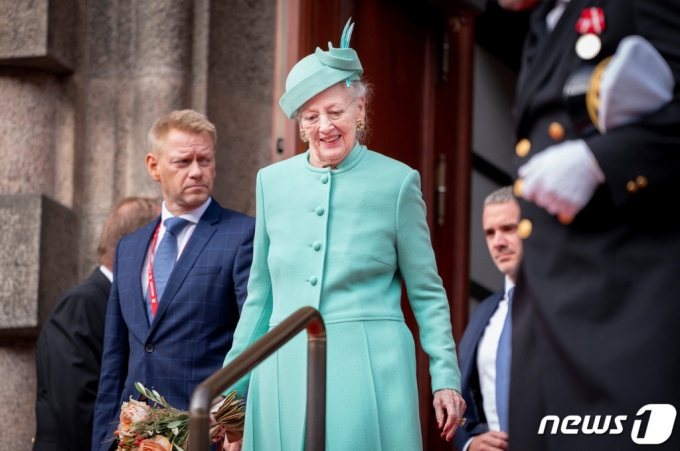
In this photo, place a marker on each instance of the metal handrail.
(218, 382)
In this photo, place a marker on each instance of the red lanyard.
(152, 284)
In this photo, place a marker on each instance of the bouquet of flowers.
(161, 427)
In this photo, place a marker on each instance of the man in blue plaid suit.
(179, 283)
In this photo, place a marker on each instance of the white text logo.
(653, 424)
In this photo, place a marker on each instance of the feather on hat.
(319, 71)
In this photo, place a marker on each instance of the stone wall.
(17, 391)
(81, 83)
(241, 83)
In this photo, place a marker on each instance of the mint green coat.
(342, 241)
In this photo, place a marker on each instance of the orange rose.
(158, 443)
(131, 412)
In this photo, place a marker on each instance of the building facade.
(82, 81)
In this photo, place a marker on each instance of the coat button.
(631, 187)
(517, 187)
(324, 179)
(149, 347)
(556, 131)
(523, 147)
(319, 211)
(313, 280)
(316, 245)
(524, 228)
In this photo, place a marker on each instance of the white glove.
(637, 81)
(562, 178)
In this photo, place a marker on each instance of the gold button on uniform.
(641, 181)
(517, 187)
(556, 131)
(524, 228)
(523, 147)
(631, 187)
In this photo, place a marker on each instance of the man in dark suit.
(179, 283)
(69, 349)
(596, 306)
(486, 415)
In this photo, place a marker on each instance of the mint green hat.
(319, 71)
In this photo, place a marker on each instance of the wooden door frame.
(451, 238)
(288, 37)
(462, 52)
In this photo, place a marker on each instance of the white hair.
(358, 89)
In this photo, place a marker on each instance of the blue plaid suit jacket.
(192, 331)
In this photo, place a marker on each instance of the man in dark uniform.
(69, 349)
(597, 302)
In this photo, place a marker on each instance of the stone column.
(38, 229)
(27, 131)
(17, 370)
(240, 95)
(81, 83)
(138, 69)
(38, 245)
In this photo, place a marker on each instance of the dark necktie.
(503, 358)
(538, 31)
(165, 258)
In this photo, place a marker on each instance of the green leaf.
(174, 424)
(177, 446)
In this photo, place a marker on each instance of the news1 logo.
(653, 424)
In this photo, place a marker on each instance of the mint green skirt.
(372, 394)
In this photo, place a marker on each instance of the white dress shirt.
(486, 360)
(554, 15)
(106, 272)
(182, 238)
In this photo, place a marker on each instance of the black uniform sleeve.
(651, 147)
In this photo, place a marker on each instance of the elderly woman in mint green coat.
(338, 228)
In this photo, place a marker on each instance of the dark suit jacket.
(68, 361)
(467, 356)
(193, 328)
(596, 302)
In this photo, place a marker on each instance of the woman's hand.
(236, 446)
(449, 408)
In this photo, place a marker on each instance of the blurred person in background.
(70, 344)
(485, 350)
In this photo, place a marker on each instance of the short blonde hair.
(185, 120)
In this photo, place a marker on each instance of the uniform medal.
(588, 46)
(590, 25)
